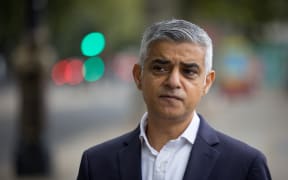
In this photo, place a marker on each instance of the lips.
(172, 97)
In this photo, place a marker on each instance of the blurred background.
(65, 77)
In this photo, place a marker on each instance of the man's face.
(173, 79)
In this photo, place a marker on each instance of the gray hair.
(178, 31)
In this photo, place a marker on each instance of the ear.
(210, 77)
(137, 75)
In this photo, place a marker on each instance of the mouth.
(170, 97)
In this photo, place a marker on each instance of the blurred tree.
(31, 155)
(71, 19)
(246, 15)
(119, 21)
(160, 10)
(11, 23)
(241, 12)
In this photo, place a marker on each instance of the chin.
(173, 116)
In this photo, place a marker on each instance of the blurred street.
(77, 118)
(82, 116)
(88, 96)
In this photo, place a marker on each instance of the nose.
(173, 80)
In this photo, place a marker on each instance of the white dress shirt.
(170, 163)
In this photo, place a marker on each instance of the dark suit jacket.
(214, 156)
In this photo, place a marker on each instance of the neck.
(159, 132)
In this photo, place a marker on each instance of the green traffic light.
(93, 44)
(93, 69)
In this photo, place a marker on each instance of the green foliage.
(120, 21)
(12, 23)
(237, 12)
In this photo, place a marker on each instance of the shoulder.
(237, 154)
(231, 149)
(223, 142)
(111, 146)
(100, 161)
(239, 158)
(237, 147)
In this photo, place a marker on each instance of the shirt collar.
(189, 134)
(142, 136)
(143, 124)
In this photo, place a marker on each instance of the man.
(172, 141)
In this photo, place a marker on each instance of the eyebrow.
(190, 65)
(165, 62)
(161, 61)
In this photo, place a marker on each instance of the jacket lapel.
(203, 155)
(130, 157)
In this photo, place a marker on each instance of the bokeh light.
(73, 72)
(93, 69)
(58, 71)
(122, 65)
(93, 44)
(67, 71)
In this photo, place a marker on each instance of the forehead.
(176, 51)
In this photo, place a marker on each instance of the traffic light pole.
(31, 156)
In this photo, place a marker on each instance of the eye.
(190, 72)
(159, 69)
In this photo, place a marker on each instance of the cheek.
(151, 84)
(150, 91)
(195, 91)
(147, 90)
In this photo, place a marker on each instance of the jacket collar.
(201, 161)
(203, 155)
(130, 157)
